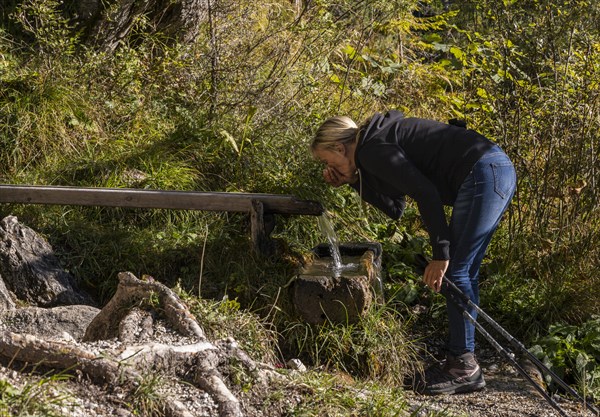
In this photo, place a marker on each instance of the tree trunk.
(106, 24)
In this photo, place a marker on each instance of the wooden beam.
(178, 200)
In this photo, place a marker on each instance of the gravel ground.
(507, 394)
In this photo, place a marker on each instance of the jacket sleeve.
(389, 164)
(393, 208)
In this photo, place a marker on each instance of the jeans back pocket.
(505, 178)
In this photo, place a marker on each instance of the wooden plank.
(135, 198)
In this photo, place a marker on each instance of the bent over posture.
(390, 157)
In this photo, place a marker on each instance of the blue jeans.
(482, 199)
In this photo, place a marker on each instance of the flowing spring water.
(327, 229)
(337, 265)
(323, 267)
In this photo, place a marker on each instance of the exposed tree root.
(133, 291)
(198, 362)
(62, 355)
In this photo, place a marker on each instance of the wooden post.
(261, 226)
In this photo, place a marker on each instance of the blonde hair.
(338, 129)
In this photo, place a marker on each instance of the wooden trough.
(261, 207)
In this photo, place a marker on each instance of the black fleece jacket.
(423, 159)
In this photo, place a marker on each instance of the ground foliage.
(234, 110)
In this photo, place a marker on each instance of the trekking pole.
(518, 345)
(422, 262)
(513, 362)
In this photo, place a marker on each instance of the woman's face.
(340, 166)
(335, 158)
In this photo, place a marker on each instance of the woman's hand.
(335, 178)
(434, 274)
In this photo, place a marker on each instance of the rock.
(30, 269)
(6, 300)
(492, 368)
(58, 323)
(122, 412)
(296, 365)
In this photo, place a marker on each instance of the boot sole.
(461, 389)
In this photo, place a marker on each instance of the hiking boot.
(459, 374)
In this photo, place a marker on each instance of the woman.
(390, 157)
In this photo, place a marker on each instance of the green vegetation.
(377, 347)
(42, 397)
(331, 397)
(147, 399)
(573, 353)
(234, 110)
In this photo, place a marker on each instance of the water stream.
(348, 265)
(327, 229)
(337, 265)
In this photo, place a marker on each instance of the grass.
(149, 398)
(331, 395)
(225, 318)
(43, 396)
(377, 347)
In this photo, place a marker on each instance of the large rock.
(6, 299)
(321, 294)
(57, 323)
(30, 269)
